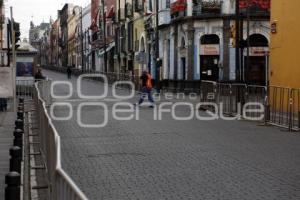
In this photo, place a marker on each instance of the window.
(168, 4)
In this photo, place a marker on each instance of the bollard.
(21, 108)
(19, 124)
(18, 140)
(20, 115)
(13, 183)
(15, 159)
(21, 100)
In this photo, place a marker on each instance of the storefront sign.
(258, 51)
(6, 82)
(25, 69)
(210, 49)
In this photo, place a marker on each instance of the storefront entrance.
(256, 73)
(209, 57)
(257, 66)
(183, 68)
(209, 67)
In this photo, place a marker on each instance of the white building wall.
(172, 46)
(86, 23)
(203, 28)
(182, 36)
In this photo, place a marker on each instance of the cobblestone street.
(168, 159)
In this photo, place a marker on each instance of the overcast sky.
(36, 10)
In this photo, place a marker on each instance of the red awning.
(111, 12)
(94, 26)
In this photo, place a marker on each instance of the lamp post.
(237, 42)
(157, 65)
(248, 36)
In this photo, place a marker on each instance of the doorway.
(183, 68)
(209, 57)
(209, 67)
(256, 73)
(256, 67)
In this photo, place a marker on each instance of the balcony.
(164, 17)
(254, 7)
(207, 8)
(179, 9)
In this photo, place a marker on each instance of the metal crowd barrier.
(279, 106)
(61, 185)
(295, 109)
(282, 105)
(24, 88)
(231, 96)
(208, 92)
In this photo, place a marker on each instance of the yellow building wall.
(285, 44)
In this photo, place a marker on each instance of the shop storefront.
(257, 66)
(209, 57)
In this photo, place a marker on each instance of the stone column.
(226, 50)
(176, 52)
(190, 51)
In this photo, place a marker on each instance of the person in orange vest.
(146, 83)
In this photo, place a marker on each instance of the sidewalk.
(6, 140)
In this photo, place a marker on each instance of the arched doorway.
(256, 66)
(209, 57)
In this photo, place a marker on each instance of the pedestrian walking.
(39, 75)
(146, 88)
(69, 72)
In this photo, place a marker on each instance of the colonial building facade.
(82, 37)
(191, 40)
(198, 42)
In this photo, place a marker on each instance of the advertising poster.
(6, 82)
(25, 69)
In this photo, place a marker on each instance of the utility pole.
(157, 64)
(237, 42)
(14, 63)
(8, 43)
(248, 37)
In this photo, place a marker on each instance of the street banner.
(6, 82)
(25, 69)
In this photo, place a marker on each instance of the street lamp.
(157, 60)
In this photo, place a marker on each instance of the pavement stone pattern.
(168, 159)
(7, 120)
